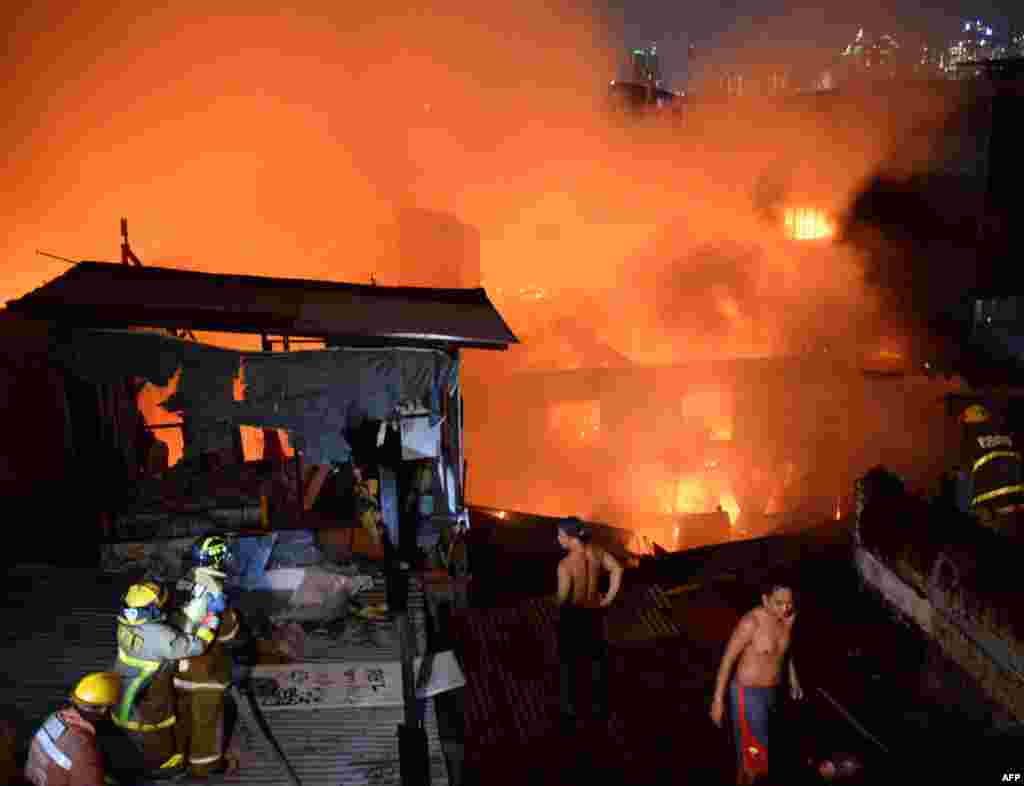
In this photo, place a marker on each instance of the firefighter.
(201, 682)
(64, 750)
(995, 465)
(147, 650)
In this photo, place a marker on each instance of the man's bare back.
(580, 624)
(582, 568)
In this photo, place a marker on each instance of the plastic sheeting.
(317, 396)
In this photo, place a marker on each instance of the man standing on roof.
(581, 621)
(147, 651)
(202, 681)
(759, 644)
(64, 750)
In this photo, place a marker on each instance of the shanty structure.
(380, 388)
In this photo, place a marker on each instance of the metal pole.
(412, 737)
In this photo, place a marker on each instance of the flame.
(691, 496)
(730, 506)
(839, 510)
(808, 224)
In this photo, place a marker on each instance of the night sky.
(242, 137)
(720, 29)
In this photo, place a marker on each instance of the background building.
(977, 42)
(871, 57)
(645, 66)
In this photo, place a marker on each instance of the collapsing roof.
(105, 294)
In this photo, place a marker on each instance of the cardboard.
(355, 685)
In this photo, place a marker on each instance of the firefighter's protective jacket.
(64, 752)
(146, 656)
(207, 596)
(211, 669)
(994, 463)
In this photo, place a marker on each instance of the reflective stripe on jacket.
(64, 752)
(212, 669)
(145, 660)
(994, 461)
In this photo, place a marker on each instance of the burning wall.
(753, 439)
(291, 153)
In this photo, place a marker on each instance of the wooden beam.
(315, 475)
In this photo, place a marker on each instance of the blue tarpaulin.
(317, 396)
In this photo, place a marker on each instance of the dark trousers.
(581, 638)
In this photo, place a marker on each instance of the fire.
(694, 494)
(691, 496)
(729, 504)
(808, 224)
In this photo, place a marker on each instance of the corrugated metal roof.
(104, 294)
(60, 625)
(656, 679)
(512, 655)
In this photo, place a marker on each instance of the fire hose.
(853, 721)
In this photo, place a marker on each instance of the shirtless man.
(760, 644)
(581, 621)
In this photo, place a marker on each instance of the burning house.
(360, 466)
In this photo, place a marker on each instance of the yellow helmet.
(975, 414)
(99, 690)
(148, 593)
(143, 603)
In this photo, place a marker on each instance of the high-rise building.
(931, 61)
(1017, 44)
(645, 65)
(874, 56)
(977, 42)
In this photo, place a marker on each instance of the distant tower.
(646, 68)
